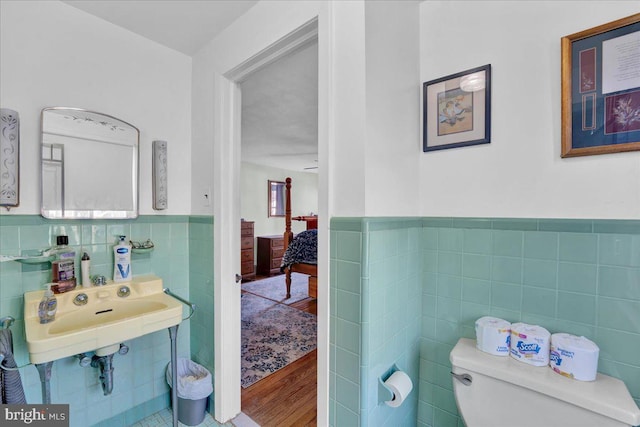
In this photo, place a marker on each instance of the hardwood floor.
(286, 397)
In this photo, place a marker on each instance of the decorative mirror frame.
(94, 213)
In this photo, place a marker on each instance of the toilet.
(495, 391)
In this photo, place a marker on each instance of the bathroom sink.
(104, 321)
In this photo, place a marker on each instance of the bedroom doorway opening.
(279, 140)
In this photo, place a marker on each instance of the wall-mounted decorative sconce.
(159, 178)
(9, 158)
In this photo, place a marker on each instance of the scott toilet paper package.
(492, 335)
(530, 344)
(574, 357)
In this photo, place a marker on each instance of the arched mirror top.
(89, 165)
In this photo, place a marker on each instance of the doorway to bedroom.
(279, 140)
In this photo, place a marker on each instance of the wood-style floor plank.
(286, 397)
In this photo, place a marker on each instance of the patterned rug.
(275, 288)
(273, 335)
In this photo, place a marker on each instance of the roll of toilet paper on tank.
(530, 344)
(492, 335)
(574, 357)
(400, 384)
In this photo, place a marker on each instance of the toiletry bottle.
(63, 267)
(122, 261)
(85, 267)
(48, 306)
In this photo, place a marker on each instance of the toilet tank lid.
(606, 395)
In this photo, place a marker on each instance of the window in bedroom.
(276, 198)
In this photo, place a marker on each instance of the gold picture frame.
(601, 89)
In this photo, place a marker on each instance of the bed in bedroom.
(301, 251)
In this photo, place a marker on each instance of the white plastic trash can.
(194, 388)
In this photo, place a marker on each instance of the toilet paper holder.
(384, 392)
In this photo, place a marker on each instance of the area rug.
(275, 288)
(273, 335)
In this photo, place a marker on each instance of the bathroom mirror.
(89, 165)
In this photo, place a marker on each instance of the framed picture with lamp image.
(457, 110)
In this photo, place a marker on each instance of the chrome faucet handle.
(81, 299)
(124, 291)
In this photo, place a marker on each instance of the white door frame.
(227, 158)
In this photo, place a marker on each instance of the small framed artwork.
(457, 110)
(601, 89)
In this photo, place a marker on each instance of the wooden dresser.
(270, 251)
(247, 269)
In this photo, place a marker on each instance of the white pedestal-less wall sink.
(110, 315)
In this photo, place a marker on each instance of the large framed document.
(601, 89)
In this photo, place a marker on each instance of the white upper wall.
(520, 173)
(52, 54)
(393, 106)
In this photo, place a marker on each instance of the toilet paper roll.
(400, 384)
(492, 335)
(530, 344)
(574, 357)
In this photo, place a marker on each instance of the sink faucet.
(99, 280)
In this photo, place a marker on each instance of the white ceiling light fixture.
(473, 82)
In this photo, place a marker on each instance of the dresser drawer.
(246, 268)
(246, 242)
(277, 252)
(277, 243)
(246, 255)
(275, 263)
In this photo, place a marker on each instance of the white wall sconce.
(159, 166)
(9, 158)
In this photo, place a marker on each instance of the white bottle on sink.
(122, 261)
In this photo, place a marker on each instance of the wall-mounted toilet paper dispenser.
(394, 387)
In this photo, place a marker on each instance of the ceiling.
(280, 100)
(182, 25)
(280, 112)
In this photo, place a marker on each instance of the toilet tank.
(507, 392)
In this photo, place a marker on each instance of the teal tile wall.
(375, 317)
(576, 276)
(201, 291)
(139, 377)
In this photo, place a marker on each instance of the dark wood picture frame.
(457, 110)
(599, 99)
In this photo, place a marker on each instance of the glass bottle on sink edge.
(64, 266)
(48, 306)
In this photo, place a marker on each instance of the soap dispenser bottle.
(122, 261)
(48, 306)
